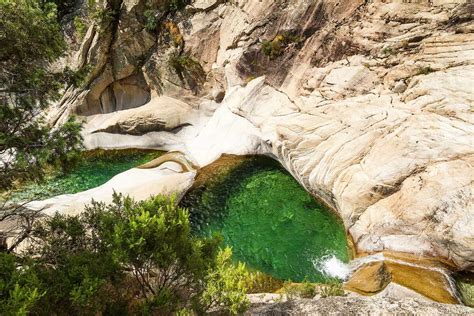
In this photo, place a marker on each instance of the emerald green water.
(95, 168)
(271, 223)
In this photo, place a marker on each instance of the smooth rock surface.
(140, 184)
(369, 105)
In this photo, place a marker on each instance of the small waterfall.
(331, 266)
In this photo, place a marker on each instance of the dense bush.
(124, 258)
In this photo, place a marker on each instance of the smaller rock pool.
(269, 220)
(93, 169)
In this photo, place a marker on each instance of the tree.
(125, 257)
(30, 39)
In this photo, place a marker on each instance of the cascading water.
(332, 267)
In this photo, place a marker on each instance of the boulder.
(369, 279)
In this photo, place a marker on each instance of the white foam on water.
(330, 266)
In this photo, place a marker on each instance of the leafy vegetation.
(80, 26)
(124, 258)
(226, 285)
(175, 5)
(259, 282)
(276, 47)
(18, 287)
(155, 9)
(64, 7)
(187, 69)
(104, 17)
(273, 48)
(303, 290)
(309, 290)
(467, 293)
(333, 288)
(30, 39)
(151, 21)
(465, 286)
(77, 78)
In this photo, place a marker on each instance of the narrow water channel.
(269, 220)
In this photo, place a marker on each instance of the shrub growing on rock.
(125, 257)
(333, 288)
(302, 290)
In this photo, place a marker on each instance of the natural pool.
(269, 220)
(95, 168)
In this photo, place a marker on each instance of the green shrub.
(18, 286)
(276, 47)
(127, 257)
(31, 40)
(259, 282)
(77, 78)
(226, 285)
(466, 291)
(333, 288)
(64, 7)
(273, 48)
(103, 17)
(80, 26)
(175, 5)
(151, 22)
(302, 290)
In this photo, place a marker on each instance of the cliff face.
(367, 103)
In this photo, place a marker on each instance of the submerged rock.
(370, 279)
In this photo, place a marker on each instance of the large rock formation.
(369, 104)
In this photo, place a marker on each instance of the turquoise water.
(269, 220)
(95, 168)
